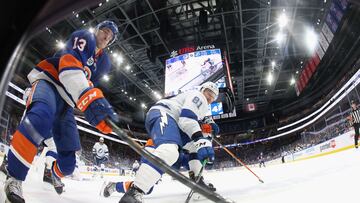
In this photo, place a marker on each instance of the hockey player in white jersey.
(101, 155)
(135, 167)
(172, 123)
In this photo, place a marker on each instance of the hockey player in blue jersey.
(173, 123)
(59, 84)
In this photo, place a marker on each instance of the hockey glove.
(215, 128)
(97, 109)
(204, 147)
(106, 159)
(210, 128)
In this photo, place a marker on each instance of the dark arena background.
(287, 71)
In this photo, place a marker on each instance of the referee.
(355, 116)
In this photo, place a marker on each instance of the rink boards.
(339, 143)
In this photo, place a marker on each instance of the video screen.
(215, 108)
(185, 71)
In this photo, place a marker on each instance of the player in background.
(261, 160)
(59, 84)
(5, 161)
(101, 155)
(209, 63)
(135, 167)
(172, 123)
(355, 121)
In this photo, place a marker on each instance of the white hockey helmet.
(101, 139)
(212, 87)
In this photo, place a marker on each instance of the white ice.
(330, 179)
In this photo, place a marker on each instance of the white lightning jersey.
(100, 150)
(135, 165)
(186, 108)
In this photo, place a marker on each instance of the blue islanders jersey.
(74, 68)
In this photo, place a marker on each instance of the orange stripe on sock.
(57, 170)
(24, 147)
(127, 185)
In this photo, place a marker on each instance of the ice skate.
(133, 195)
(47, 176)
(3, 166)
(201, 182)
(109, 189)
(58, 185)
(13, 191)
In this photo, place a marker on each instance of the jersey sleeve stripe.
(68, 68)
(48, 68)
(29, 99)
(68, 60)
(187, 113)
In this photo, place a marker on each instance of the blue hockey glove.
(204, 147)
(215, 128)
(96, 109)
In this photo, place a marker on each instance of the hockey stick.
(197, 180)
(133, 134)
(166, 168)
(237, 159)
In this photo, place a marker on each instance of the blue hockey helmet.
(112, 26)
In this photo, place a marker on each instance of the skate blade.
(197, 197)
(101, 193)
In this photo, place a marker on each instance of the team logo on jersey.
(90, 61)
(163, 122)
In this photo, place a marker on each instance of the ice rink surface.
(329, 179)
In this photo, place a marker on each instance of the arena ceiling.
(151, 29)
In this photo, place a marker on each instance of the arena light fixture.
(273, 64)
(91, 29)
(157, 95)
(311, 39)
(106, 78)
(292, 81)
(270, 78)
(119, 59)
(127, 67)
(280, 38)
(60, 44)
(282, 20)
